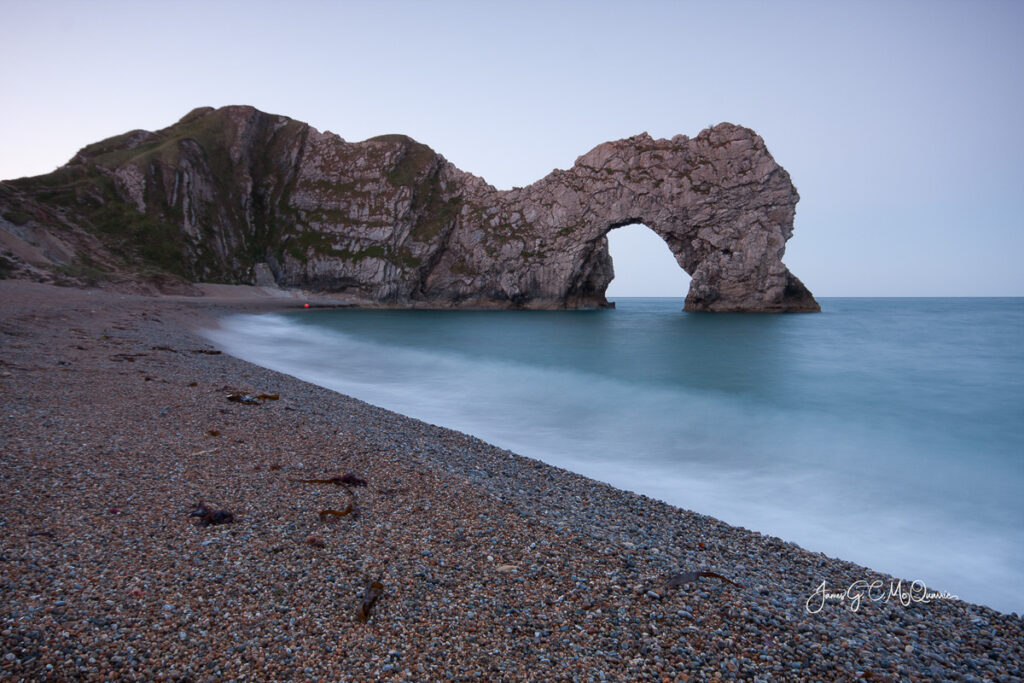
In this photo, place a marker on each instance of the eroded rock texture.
(237, 195)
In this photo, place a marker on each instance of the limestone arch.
(596, 270)
(644, 264)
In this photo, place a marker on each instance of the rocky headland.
(235, 195)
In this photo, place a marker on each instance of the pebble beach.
(356, 544)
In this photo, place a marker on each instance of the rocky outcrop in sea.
(236, 195)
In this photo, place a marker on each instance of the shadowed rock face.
(237, 195)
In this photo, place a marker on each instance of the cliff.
(236, 195)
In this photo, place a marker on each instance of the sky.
(900, 123)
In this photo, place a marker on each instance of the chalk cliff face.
(237, 195)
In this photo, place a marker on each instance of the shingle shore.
(115, 425)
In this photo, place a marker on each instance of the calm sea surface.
(889, 432)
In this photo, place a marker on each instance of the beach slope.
(444, 557)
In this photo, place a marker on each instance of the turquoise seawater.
(889, 432)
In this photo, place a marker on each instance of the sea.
(885, 431)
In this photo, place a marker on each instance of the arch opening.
(644, 265)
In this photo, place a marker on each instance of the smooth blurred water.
(889, 432)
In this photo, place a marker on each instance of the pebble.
(527, 572)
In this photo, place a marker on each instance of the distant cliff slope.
(239, 196)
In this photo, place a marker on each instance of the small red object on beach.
(306, 305)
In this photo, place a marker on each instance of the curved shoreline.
(492, 564)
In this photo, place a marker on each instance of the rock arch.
(644, 265)
(238, 195)
(719, 201)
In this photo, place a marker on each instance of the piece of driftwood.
(683, 578)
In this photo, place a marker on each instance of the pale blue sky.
(900, 122)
